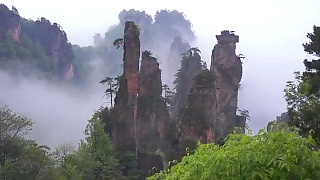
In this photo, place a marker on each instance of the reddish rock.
(210, 112)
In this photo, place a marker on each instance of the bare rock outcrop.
(210, 111)
(196, 117)
(14, 25)
(123, 133)
(140, 115)
(227, 69)
(153, 115)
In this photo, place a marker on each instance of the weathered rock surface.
(227, 69)
(123, 133)
(14, 25)
(210, 112)
(196, 118)
(140, 115)
(153, 115)
(36, 37)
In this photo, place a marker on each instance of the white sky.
(271, 36)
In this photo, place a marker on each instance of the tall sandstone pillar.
(126, 98)
(131, 58)
(211, 106)
(227, 69)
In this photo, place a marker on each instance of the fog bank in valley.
(60, 112)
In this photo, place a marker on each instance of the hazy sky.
(271, 36)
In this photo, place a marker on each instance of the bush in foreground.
(267, 155)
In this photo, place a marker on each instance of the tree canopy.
(302, 94)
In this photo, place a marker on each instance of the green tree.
(95, 158)
(267, 155)
(64, 157)
(118, 42)
(302, 94)
(113, 85)
(33, 163)
(22, 158)
(303, 108)
(12, 127)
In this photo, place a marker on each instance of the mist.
(60, 112)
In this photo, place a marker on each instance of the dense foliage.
(267, 155)
(20, 158)
(302, 94)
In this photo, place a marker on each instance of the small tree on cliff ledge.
(267, 155)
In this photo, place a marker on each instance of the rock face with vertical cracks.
(131, 57)
(196, 117)
(123, 132)
(227, 69)
(178, 46)
(139, 118)
(152, 110)
(210, 112)
(153, 116)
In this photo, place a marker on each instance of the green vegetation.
(267, 155)
(31, 47)
(95, 158)
(302, 94)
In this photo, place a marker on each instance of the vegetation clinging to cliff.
(32, 47)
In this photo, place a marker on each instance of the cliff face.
(140, 115)
(10, 22)
(191, 64)
(153, 116)
(56, 45)
(196, 118)
(43, 45)
(178, 46)
(126, 97)
(14, 25)
(210, 111)
(227, 69)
